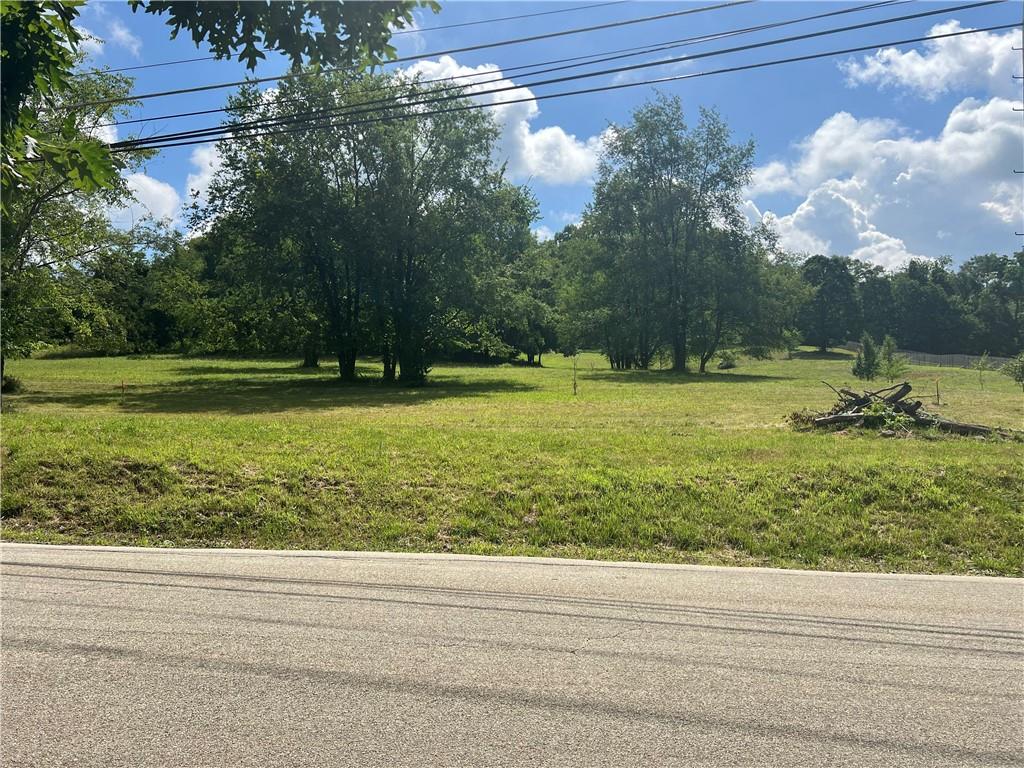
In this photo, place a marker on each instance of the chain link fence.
(942, 361)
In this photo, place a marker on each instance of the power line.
(413, 31)
(371, 106)
(464, 49)
(309, 126)
(594, 58)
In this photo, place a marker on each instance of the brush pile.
(888, 410)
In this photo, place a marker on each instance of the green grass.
(640, 465)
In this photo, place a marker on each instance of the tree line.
(394, 236)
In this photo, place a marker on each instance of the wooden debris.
(888, 408)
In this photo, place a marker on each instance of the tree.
(662, 191)
(893, 364)
(324, 34)
(829, 315)
(384, 224)
(867, 364)
(54, 228)
(38, 51)
(1015, 370)
(40, 47)
(983, 365)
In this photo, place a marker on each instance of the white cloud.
(984, 59)
(122, 36)
(153, 198)
(408, 39)
(649, 73)
(549, 154)
(207, 160)
(566, 217)
(90, 44)
(873, 191)
(105, 132)
(543, 233)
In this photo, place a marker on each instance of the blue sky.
(881, 156)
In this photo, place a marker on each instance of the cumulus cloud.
(105, 132)
(983, 59)
(207, 161)
(153, 198)
(548, 154)
(871, 190)
(543, 233)
(90, 44)
(119, 34)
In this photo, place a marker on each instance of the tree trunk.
(388, 358)
(347, 362)
(311, 351)
(679, 352)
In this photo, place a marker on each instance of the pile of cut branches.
(888, 410)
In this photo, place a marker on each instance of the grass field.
(639, 465)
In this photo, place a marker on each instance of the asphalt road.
(179, 658)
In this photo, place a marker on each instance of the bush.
(1015, 370)
(894, 365)
(867, 363)
(726, 359)
(10, 385)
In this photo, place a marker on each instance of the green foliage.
(879, 415)
(325, 34)
(893, 364)
(663, 260)
(791, 339)
(829, 317)
(38, 53)
(726, 359)
(1015, 369)
(867, 363)
(982, 365)
(40, 49)
(396, 237)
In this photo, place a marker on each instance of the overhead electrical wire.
(594, 58)
(414, 31)
(373, 105)
(313, 126)
(418, 57)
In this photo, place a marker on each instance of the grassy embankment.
(640, 465)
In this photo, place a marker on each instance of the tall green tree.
(54, 227)
(829, 316)
(663, 187)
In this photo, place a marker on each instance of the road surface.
(180, 658)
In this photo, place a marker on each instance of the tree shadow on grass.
(819, 355)
(671, 377)
(274, 368)
(248, 396)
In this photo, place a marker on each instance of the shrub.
(726, 359)
(867, 363)
(894, 365)
(1015, 370)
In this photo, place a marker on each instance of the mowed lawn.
(639, 465)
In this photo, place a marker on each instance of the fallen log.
(902, 391)
(838, 418)
(955, 427)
